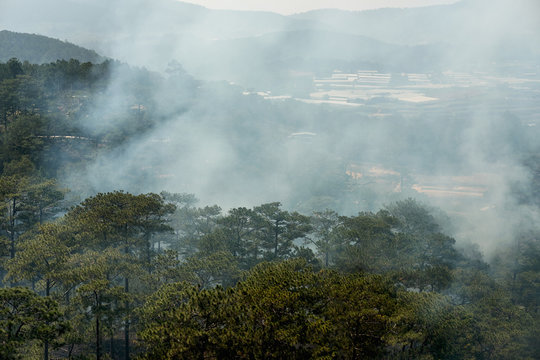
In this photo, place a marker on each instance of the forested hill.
(156, 276)
(38, 49)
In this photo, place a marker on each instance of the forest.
(157, 275)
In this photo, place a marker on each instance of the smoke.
(287, 7)
(439, 103)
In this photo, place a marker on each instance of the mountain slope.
(40, 49)
(479, 21)
(248, 46)
(272, 58)
(81, 21)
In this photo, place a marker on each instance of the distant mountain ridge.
(255, 48)
(39, 49)
(275, 56)
(451, 23)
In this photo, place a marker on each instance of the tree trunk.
(111, 348)
(40, 214)
(148, 253)
(276, 236)
(98, 331)
(12, 213)
(70, 350)
(46, 342)
(126, 327)
(327, 255)
(126, 289)
(98, 339)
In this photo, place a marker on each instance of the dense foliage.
(156, 276)
(189, 282)
(38, 49)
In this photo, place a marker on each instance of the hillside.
(222, 44)
(99, 20)
(454, 23)
(40, 49)
(275, 56)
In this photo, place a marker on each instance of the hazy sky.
(296, 6)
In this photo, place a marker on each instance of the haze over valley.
(432, 94)
(414, 128)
